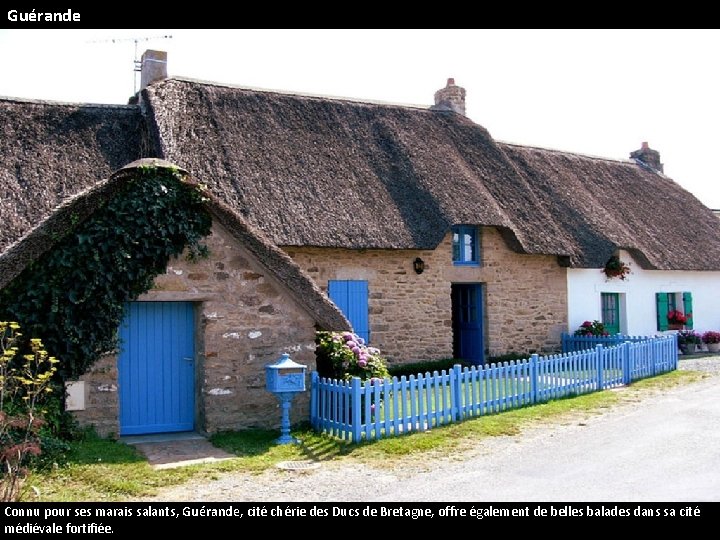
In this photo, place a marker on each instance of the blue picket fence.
(571, 343)
(362, 410)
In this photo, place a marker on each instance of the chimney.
(450, 98)
(153, 67)
(648, 157)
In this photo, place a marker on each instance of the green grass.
(104, 470)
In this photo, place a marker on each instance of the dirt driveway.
(665, 447)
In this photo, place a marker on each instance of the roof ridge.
(560, 151)
(300, 94)
(67, 103)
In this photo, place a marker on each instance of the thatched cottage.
(412, 223)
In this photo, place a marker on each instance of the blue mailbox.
(285, 378)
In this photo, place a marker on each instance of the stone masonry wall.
(411, 314)
(245, 320)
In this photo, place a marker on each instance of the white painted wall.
(638, 313)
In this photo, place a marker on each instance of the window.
(466, 245)
(351, 297)
(673, 301)
(610, 303)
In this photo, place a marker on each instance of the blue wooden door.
(156, 368)
(351, 296)
(467, 322)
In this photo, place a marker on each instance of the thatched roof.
(52, 151)
(601, 205)
(74, 210)
(313, 171)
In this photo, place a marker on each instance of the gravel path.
(479, 474)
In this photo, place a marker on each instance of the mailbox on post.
(285, 378)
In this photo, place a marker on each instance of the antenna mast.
(137, 62)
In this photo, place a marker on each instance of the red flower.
(675, 316)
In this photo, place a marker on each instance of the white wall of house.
(638, 313)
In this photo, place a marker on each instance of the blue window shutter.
(358, 310)
(351, 296)
(661, 299)
(688, 309)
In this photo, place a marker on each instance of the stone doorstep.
(166, 451)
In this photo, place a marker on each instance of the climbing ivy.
(73, 296)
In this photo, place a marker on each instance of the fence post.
(599, 354)
(627, 372)
(457, 413)
(533, 378)
(356, 409)
(675, 350)
(314, 398)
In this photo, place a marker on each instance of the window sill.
(458, 263)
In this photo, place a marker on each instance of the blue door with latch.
(467, 322)
(156, 368)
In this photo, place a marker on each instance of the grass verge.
(105, 470)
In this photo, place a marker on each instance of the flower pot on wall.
(691, 348)
(713, 347)
(675, 326)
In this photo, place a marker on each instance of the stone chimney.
(648, 157)
(153, 67)
(450, 98)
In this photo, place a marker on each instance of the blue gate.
(156, 368)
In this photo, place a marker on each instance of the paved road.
(663, 448)
(666, 449)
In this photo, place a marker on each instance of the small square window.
(465, 245)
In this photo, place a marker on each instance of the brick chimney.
(450, 98)
(153, 67)
(648, 157)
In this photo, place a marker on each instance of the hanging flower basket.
(615, 268)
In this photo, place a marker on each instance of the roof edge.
(299, 94)
(31, 101)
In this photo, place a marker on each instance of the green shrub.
(507, 357)
(426, 366)
(25, 381)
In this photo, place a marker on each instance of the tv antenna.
(137, 62)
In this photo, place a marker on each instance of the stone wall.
(101, 397)
(411, 314)
(244, 321)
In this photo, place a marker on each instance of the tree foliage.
(73, 296)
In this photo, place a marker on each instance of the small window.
(466, 245)
(674, 303)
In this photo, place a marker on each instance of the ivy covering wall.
(73, 296)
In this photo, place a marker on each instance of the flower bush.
(344, 355)
(675, 316)
(25, 382)
(614, 267)
(711, 337)
(594, 328)
(688, 337)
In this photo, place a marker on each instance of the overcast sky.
(599, 92)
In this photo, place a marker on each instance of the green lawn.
(104, 470)
(491, 394)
